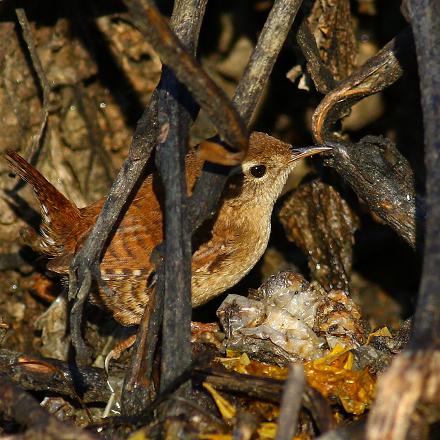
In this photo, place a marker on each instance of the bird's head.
(264, 171)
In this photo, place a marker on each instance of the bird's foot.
(116, 352)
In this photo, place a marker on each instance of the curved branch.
(379, 72)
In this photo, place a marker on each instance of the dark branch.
(209, 185)
(378, 73)
(27, 411)
(382, 177)
(320, 74)
(208, 95)
(36, 373)
(413, 377)
(172, 292)
(44, 83)
(374, 167)
(259, 68)
(425, 22)
(170, 161)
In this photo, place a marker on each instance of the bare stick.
(390, 194)
(207, 94)
(87, 259)
(175, 119)
(170, 159)
(321, 75)
(382, 177)
(425, 22)
(176, 111)
(379, 72)
(413, 378)
(44, 83)
(291, 403)
(407, 391)
(210, 184)
(36, 373)
(271, 40)
(387, 188)
(23, 408)
(137, 388)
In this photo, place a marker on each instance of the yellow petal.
(215, 437)
(267, 431)
(381, 332)
(138, 435)
(226, 409)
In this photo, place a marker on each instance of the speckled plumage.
(228, 247)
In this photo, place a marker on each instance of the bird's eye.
(258, 171)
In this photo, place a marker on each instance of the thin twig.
(94, 134)
(176, 111)
(413, 378)
(321, 75)
(87, 259)
(208, 95)
(271, 40)
(137, 388)
(27, 411)
(44, 83)
(378, 73)
(209, 185)
(291, 403)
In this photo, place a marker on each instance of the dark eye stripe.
(258, 171)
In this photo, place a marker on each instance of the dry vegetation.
(336, 290)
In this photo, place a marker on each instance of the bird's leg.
(117, 351)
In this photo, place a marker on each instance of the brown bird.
(228, 247)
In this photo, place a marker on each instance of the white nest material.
(297, 316)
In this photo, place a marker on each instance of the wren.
(227, 247)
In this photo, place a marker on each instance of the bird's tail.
(59, 214)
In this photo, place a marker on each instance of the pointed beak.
(301, 153)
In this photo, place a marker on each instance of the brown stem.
(43, 82)
(379, 72)
(27, 411)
